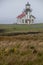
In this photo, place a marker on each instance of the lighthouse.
(26, 16)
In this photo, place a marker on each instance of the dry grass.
(21, 50)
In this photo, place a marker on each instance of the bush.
(11, 50)
(32, 47)
(34, 51)
(39, 54)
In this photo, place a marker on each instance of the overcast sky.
(10, 9)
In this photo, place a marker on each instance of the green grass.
(14, 27)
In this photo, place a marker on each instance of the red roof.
(21, 15)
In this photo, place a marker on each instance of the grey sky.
(9, 9)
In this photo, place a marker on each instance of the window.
(32, 20)
(22, 20)
(25, 21)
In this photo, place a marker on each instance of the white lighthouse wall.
(32, 20)
(18, 21)
(22, 20)
(28, 14)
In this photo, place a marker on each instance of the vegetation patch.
(21, 50)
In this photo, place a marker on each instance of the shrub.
(39, 54)
(11, 50)
(34, 51)
(32, 47)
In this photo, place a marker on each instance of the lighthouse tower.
(28, 12)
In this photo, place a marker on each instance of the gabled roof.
(32, 16)
(21, 15)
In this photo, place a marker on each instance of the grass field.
(21, 49)
(14, 27)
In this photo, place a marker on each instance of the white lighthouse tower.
(28, 11)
